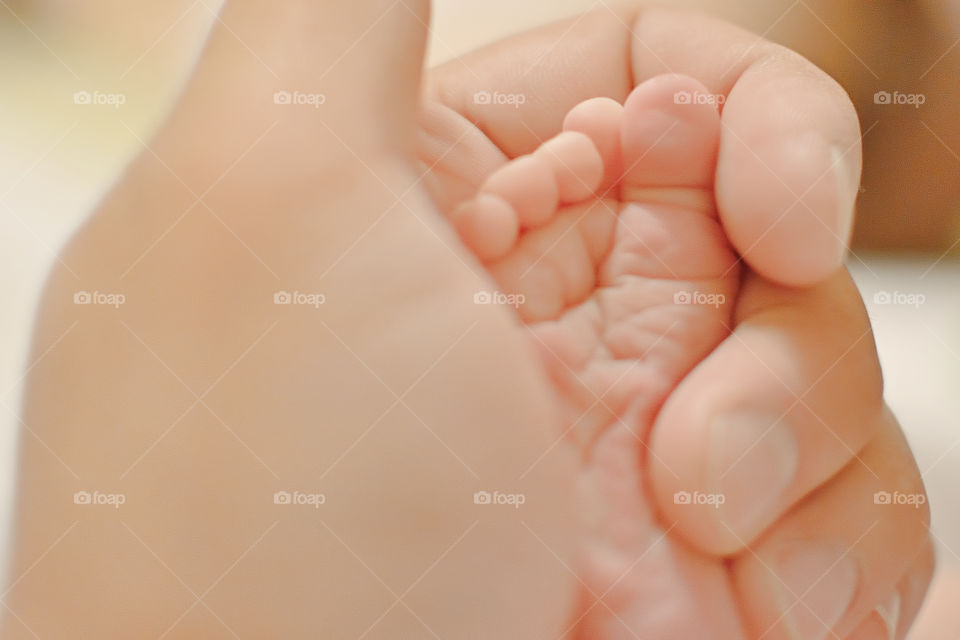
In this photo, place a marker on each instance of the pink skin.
(654, 565)
(604, 283)
(599, 279)
(800, 353)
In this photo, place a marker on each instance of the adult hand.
(786, 417)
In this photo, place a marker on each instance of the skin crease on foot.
(624, 290)
(400, 398)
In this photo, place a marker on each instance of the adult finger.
(790, 158)
(834, 564)
(784, 403)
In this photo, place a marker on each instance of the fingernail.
(752, 461)
(848, 189)
(816, 587)
(889, 612)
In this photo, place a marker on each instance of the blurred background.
(58, 155)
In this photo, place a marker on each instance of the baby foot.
(608, 240)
